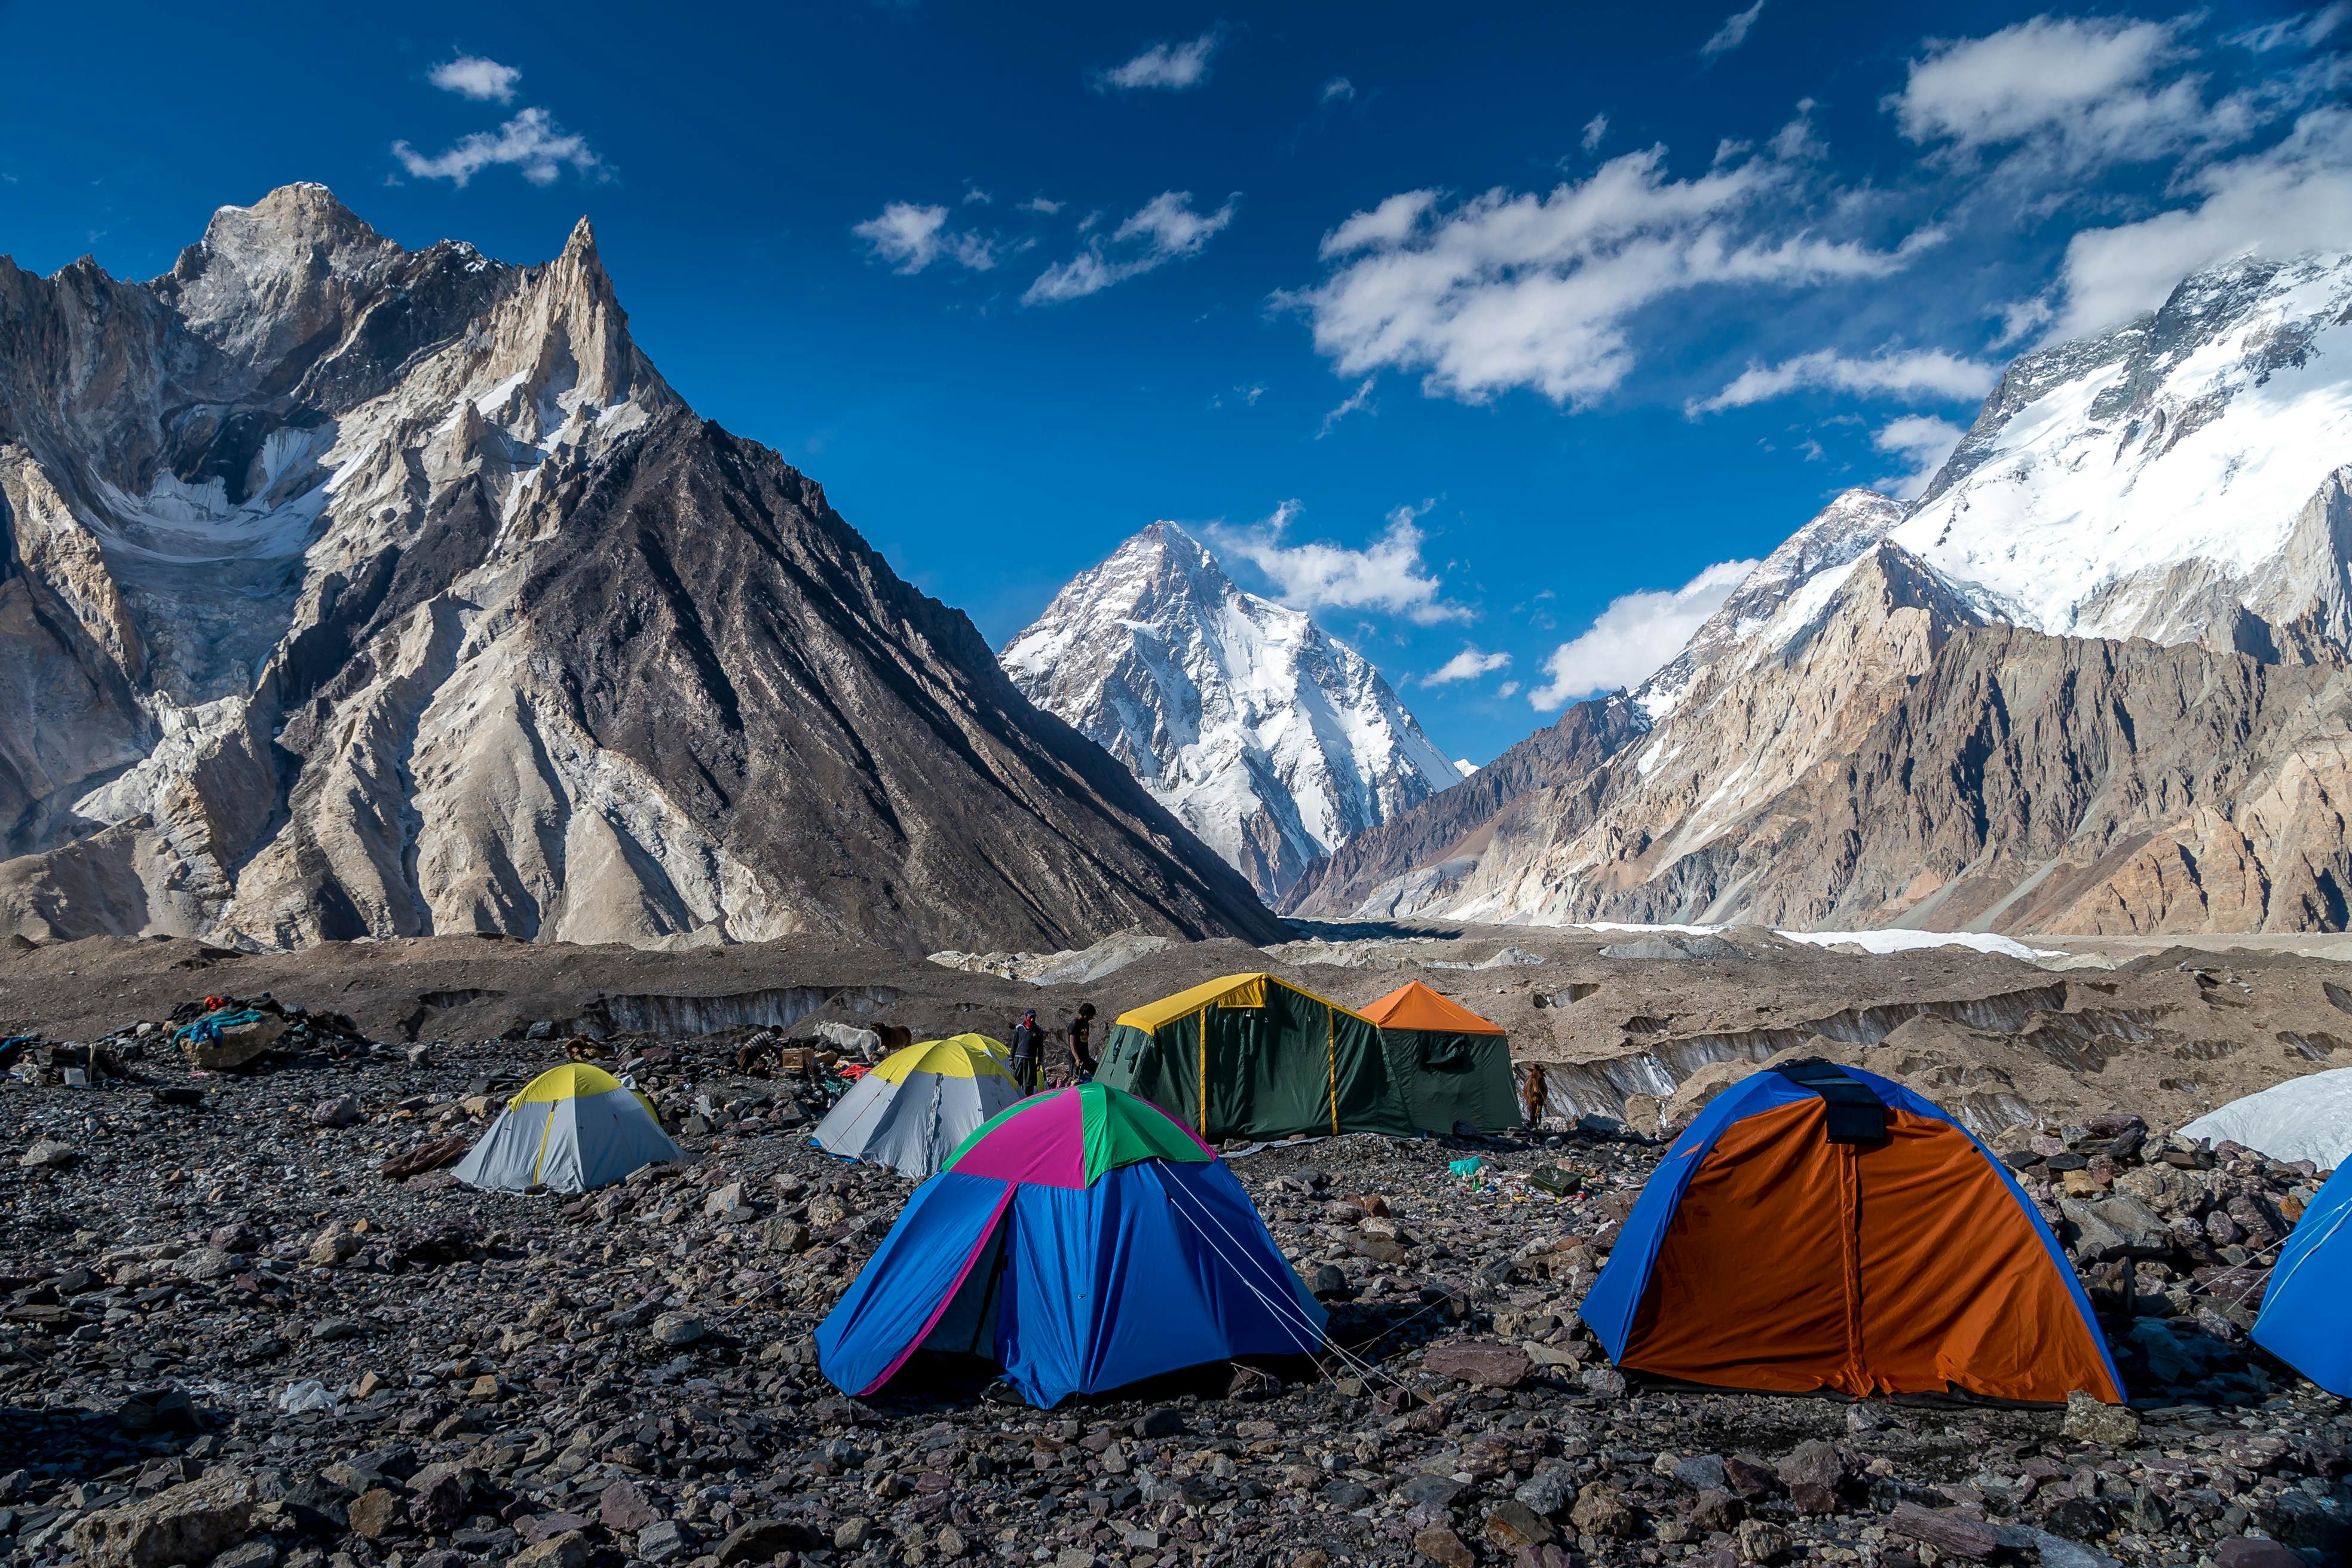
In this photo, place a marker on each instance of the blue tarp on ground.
(2303, 1320)
(1156, 1266)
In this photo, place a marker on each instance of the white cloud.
(2294, 31)
(1633, 638)
(1387, 575)
(1042, 206)
(471, 75)
(911, 236)
(1338, 88)
(1172, 67)
(1355, 403)
(1594, 129)
(530, 142)
(1512, 289)
(2071, 93)
(1733, 32)
(1796, 140)
(1467, 665)
(1162, 230)
(975, 194)
(1921, 441)
(1507, 689)
(2289, 199)
(1921, 372)
(2021, 318)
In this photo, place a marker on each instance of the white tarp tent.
(2307, 1118)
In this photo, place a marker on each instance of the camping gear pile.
(917, 1105)
(1079, 1241)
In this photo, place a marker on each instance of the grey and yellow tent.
(918, 1104)
(571, 1129)
(1251, 1056)
(1455, 1065)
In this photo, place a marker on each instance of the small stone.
(662, 1541)
(2089, 1420)
(1483, 1365)
(1165, 1422)
(762, 1541)
(1601, 1509)
(1073, 1557)
(2253, 1552)
(1439, 1544)
(331, 1329)
(622, 1507)
(1761, 1542)
(343, 1111)
(48, 1153)
(569, 1550)
(1953, 1535)
(1702, 1472)
(192, 1523)
(1513, 1524)
(333, 1246)
(1547, 1491)
(676, 1329)
(373, 1512)
(852, 1533)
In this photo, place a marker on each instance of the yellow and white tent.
(918, 1104)
(572, 1128)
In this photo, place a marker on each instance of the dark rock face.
(1409, 860)
(352, 591)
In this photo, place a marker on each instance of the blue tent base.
(1158, 1266)
(944, 1381)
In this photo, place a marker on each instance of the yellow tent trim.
(1331, 1060)
(572, 1081)
(547, 1129)
(1229, 991)
(958, 1056)
(1201, 1028)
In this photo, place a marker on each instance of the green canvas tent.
(1455, 1066)
(1251, 1056)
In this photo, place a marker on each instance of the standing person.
(1078, 1066)
(1028, 1045)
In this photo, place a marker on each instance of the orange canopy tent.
(1454, 1065)
(1413, 1006)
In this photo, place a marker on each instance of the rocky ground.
(228, 1337)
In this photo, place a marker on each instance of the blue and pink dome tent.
(1081, 1240)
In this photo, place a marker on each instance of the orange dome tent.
(1822, 1228)
(1454, 1066)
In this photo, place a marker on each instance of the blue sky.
(1497, 338)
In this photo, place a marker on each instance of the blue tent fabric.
(1611, 1306)
(1156, 1266)
(871, 1329)
(2303, 1317)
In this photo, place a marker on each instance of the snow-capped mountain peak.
(2168, 479)
(1271, 739)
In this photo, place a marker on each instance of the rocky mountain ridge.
(2058, 693)
(351, 591)
(1273, 740)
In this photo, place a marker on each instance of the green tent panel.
(1251, 1056)
(1455, 1065)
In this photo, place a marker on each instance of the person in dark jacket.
(1077, 1066)
(1028, 1047)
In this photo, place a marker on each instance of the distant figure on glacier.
(1028, 1045)
(1077, 1066)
